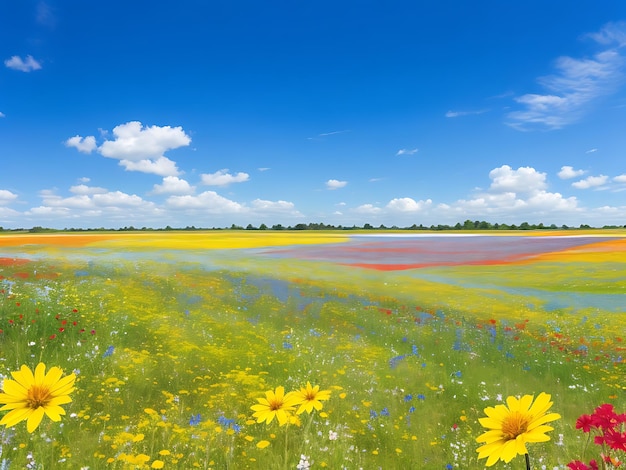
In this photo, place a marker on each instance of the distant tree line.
(467, 225)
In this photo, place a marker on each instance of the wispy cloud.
(591, 151)
(335, 184)
(24, 65)
(576, 83)
(406, 152)
(454, 114)
(223, 178)
(327, 134)
(2, 114)
(45, 15)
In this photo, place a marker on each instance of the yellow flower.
(310, 397)
(30, 396)
(275, 404)
(510, 428)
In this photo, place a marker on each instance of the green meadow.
(171, 347)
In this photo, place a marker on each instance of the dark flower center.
(38, 395)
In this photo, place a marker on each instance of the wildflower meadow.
(286, 350)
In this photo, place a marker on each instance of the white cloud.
(7, 197)
(208, 202)
(406, 204)
(138, 148)
(568, 172)
(173, 185)
(335, 184)
(134, 142)
(522, 180)
(620, 178)
(274, 207)
(162, 166)
(406, 152)
(591, 182)
(574, 86)
(591, 151)
(368, 209)
(82, 144)
(27, 65)
(2, 114)
(83, 189)
(223, 178)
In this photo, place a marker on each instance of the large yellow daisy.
(310, 397)
(275, 404)
(512, 426)
(30, 396)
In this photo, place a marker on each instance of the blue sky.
(212, 113)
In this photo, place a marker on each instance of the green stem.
(286, 451)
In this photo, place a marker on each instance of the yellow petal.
(40, 373)
(24, 377)
(13, 390)
(64, 386)
(15, 416)
(34, 419)
(541, 405)
(54, 412)
(52, 377)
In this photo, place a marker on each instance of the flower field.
(282, 350)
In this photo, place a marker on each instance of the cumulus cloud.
(368, 209)
(260, 206)
(173, 185)
(591, 182)
(406, 152)
(568, 172)
(522, 180)
(576, 84)
(620, 179)
(208, 202)
(335, 184)
(83, 189)
(82, 200)
(223, 178)
(407, 204)
(7, 197)
(137, 147)
(23, 65)
(280, 206)
(162, 166)
(82, 144)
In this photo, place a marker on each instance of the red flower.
(615, 439)
(585, 422)
(578, 465)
